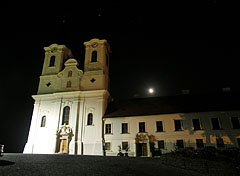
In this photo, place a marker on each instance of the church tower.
(96, 68)
(70, 103)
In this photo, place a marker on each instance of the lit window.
(52, 61)
(65, 118)
(43, 121)
(90, 119)
(94, 56)
(108, 129)
(159, 126)
(124, 128)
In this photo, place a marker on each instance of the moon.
(151, 90)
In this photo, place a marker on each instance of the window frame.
(124, 147)
(63, 115)
(200, 126)
(160, 145)
(199, 143)
(94, 56)
(109, 146)
(107, 132)
(43, 121)
(181, 123)
(162, 130)
(52, 61)
(233, 124)
(219, 123)
(220, 145)
(124, 132)
(178, 145)
(88, 117)
(142, 131)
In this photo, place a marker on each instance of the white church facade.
(74, 114)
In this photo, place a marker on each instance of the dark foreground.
(48, 165)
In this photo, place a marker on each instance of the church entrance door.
(63, 146)
(142, 149)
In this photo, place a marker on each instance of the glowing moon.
(151, 90)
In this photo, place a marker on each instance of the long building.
(75, 114)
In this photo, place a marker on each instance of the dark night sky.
(181, 46)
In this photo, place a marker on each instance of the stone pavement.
(71, 165)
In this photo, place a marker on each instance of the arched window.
(43, 121)
(94, 56)
(65, 117)
(70, 73)
(52, 61)
(90, 119)
(69, 84)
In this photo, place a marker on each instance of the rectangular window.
(161, 144)
(159, 126)
(199, 143)
(108, 129)
(107, 146)
(125, 146)
(180, 144)
(220, 143)
(215, 124)
(141, 127)
(124, 128)
(238, 141)
(178, 125)
(196, 124)
(235, 123)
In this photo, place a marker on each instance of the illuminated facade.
(70, 104)
(72, 113)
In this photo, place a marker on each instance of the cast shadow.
(6, 163)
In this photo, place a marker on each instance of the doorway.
(142, 149)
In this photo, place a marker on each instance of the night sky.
(181, 46)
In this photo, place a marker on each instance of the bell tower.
(96, 67)
(55, 56)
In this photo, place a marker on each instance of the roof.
(173, 104)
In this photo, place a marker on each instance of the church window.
(65, 118)
(69, 84)
(43, 121)
(94, 56)
(108, 129)
(90, 119)
(70, 74)
(142, 127)
(93, 80)
(52, 61)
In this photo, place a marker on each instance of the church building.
(74, 114)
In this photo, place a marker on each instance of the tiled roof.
(173, 104)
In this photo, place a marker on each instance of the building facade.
(73, 113)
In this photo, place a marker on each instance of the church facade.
(74, 114)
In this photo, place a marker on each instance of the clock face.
(95, 44)
(54, 50)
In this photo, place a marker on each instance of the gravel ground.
(48, 165)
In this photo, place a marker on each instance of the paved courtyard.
(48, 165)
